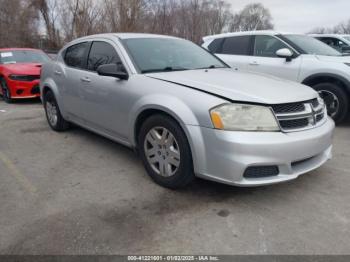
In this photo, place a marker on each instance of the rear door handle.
(85, 80)
(58, 73)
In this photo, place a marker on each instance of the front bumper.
(21, 89)
(224, 156)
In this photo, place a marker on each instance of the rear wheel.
(6, 93)
(53, 113)
(336, 100)
(165, 152)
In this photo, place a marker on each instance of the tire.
(53, 113)
(6, 94)
(332, 93)
(175, 155)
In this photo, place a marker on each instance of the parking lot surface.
(78, 193)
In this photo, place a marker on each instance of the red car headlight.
(24, 78)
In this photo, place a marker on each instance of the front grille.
(293, 107)
(319, 117)
(35, 90)
(315, 103)
(300, 115)
(288, 108)
(294, 124)
(261, 171)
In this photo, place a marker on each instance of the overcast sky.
(301, 16)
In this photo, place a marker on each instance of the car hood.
(337, 59)
(23, 69)
(238, 86)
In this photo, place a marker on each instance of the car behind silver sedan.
(185, 111)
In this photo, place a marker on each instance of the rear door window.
(334, 42)
(75, 56)
(102, 53)
(237, 45)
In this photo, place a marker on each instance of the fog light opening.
(261, 171)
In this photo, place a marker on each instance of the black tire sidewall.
(342, 98)
(184, 175)
(4, 86)
(61, 124)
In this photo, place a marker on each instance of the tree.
(125, 16)
(190, 19)
(160, 17)
(319, 30)
(218, 16)
(48, 10)
(80, 18)
(19, 23)
(342, 28)
(22, 21)
(252, 17)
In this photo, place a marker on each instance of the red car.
(20, 72)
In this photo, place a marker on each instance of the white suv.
(340, 43)
(295, 57)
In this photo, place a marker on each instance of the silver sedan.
(185, 111)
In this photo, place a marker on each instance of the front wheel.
(6, 93)
(165, 152)
(336, 100)
(53, 113)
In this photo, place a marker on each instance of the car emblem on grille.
(312, 119)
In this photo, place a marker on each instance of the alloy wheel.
(331, 101)
(51, 111)
(162, 151)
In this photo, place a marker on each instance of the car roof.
(260, 32)
(17, 49)
(113, 36)
(125, 36)
(329, 35)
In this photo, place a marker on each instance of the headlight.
(24, 78)
(241, 117)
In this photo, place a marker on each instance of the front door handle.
(58, 73)
(254, 63)
(85, 80)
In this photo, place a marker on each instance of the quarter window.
(238, 45)
(75, 55)
(102, 53)
(267, 46)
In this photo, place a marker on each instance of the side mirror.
(285, 53)
(113, 70)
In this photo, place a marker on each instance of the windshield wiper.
(211, 67)
(165, 69)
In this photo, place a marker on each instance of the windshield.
(347, 38)
(168, 54)
(23, 56)
(311, 45)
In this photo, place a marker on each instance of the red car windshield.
(22, 56)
